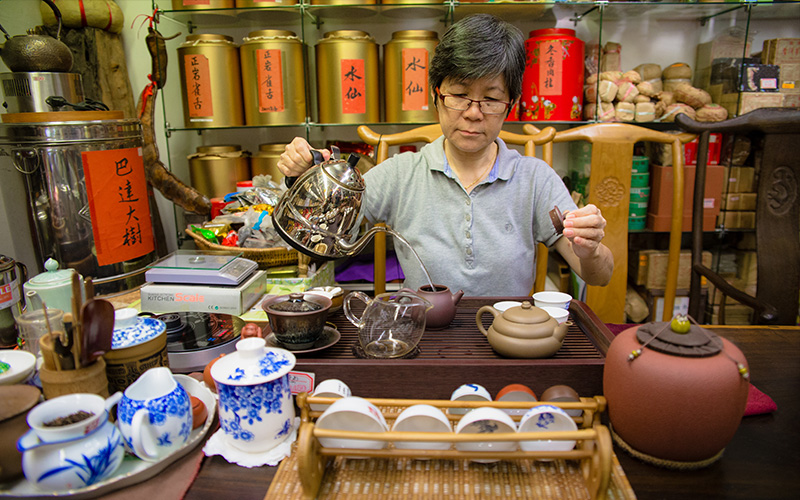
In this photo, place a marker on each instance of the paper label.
(415, 80)
(551, 70)
(301, 382)
(198, 85)
(708, 202)
(9, 294)
(354, 100)
(117, 191)
(270, 81)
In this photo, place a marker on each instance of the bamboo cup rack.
(593, 448)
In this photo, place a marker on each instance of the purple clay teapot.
(676, 392)
(444, 305)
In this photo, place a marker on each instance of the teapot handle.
(348, 311)
(480, 312)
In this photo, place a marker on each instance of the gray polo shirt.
(484, 242)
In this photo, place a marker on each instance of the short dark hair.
(479, 46)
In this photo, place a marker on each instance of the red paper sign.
(196, 2)
(550, 72)
(415, 80)
(117, 190)
(354, 99)
(198, 85)
(270, 80)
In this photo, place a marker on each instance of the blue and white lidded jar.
(256, 410)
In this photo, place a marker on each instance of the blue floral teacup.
(155, 415)
(256, 410)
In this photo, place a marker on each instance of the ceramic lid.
(52, 275)
(252, 363)
(130, 329)
(526, 314)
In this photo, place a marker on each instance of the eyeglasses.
(487, 106)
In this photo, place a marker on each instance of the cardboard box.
(781, 50)
(744, 102)
(791, 100)
(714, 148)
(737, 220)
(663, 223)
(759, 78)
(747, 267)
(727, 71)
(166, 297)
(661, 190)
(649, 268)
(789, 79)
(739, 201)
(736, 149)
(285, 285)
(722, 46)
(740, 179)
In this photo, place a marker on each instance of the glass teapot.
(392, 323)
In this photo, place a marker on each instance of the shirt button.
(467, 218)
(469, 250)
(469, 202)
(469, 234)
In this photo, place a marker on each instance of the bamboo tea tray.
(590, 471)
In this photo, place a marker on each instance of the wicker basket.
(265, 257)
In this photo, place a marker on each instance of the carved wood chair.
(609, 189)
(777, 214)
(427, 134)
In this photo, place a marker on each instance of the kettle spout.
(355, 247)
(561, 331)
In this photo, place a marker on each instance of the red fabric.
(758, 403)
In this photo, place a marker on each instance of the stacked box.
(736, 74)
(781, 50)
(744, 102)
(659, 212)
(649, 268)
(724, 46)
(739, 203)
(640, 178)
(714, 149)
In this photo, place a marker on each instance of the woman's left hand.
(585, 228)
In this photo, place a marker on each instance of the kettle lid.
(52, 275)
(345, 173)
(6, 263)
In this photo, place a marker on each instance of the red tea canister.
(552, 86)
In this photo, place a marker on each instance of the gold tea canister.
(347, 78)
(406, 59)
(272, 77)
(202, 4)
(215, 170)
(265, 161)
(210, 81)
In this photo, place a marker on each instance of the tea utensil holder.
(593, 448)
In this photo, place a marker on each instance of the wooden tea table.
(761, 462)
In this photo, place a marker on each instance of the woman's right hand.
(297, 158)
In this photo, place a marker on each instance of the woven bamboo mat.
(407, 478)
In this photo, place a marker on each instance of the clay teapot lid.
(696, 343)
(526, 314)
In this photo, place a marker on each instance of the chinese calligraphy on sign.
(198, 85)
(270, 80)
(551, 71)
(415, 80)
(117, 191)
(353, 86)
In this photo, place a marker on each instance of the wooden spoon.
(97, 316)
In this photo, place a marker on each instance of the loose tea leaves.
(69, 419)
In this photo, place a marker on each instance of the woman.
(471, 207)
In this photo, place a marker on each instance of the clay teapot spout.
(561, 331)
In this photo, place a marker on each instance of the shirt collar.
(503, 167)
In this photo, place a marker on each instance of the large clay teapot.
(37, 53)
(524, 331)
(444, 305)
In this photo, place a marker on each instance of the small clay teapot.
(444, 305)
(524, 331)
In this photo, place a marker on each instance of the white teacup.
(353, 414)
(330, 388)
(64, 406)
(468, 392)
(422, 418)
(486, 420)
(552, 299)
(155, 415)
(546, 418)
(558, 313)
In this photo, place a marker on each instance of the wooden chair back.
(428, 134)
(609, 189)
(775, 134)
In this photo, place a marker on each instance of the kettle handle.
(318, 158)
(480, 312)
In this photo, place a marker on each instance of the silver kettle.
(320, 213)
